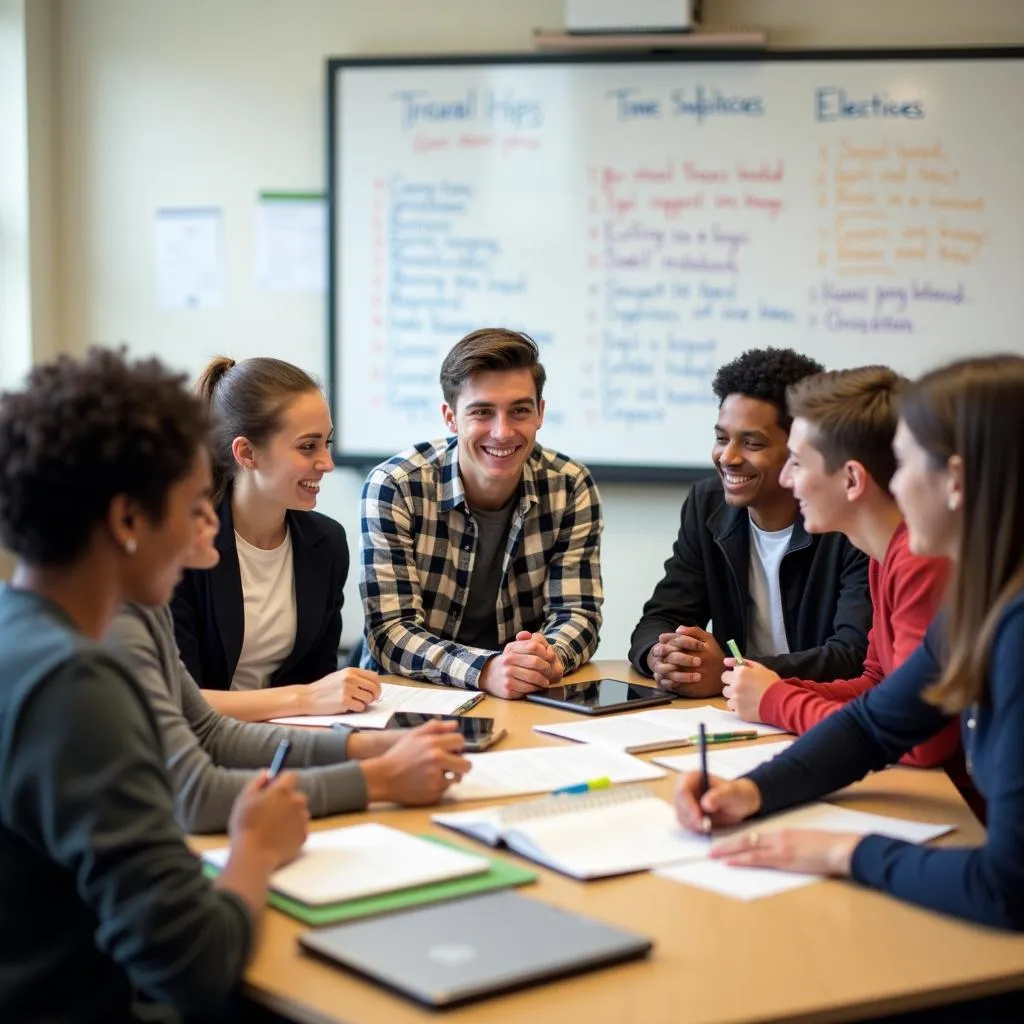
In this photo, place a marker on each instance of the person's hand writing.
(419, 767)
(744, 687)
(270, 819)
(791, 849)
(348, 689)
(726, 802)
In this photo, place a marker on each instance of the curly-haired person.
(744, 562)
(105, 914)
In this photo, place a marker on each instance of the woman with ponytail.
(259, 632)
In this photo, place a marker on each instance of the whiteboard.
(646, 221)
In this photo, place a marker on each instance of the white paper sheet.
(653, 730)
(189, 271)
(729, 763)
(739, 883)
(543, 769)
(291, 242)
(393, 697)
(714, 719)
(753, 883)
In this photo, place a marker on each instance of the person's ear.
(954, 483)
(450, 421)
(540, 413)
(122, 521)
(244, 453)
(856, 480)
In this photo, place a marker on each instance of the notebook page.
(542, 769)
(730, 763)
(614, 839)
(393, 697)
(363, 860)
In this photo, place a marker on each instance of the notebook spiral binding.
(570, 803)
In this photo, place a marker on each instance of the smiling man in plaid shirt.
(481, 553)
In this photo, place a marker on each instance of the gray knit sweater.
(209, 757)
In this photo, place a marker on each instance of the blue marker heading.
(833, 103)
(490, 107)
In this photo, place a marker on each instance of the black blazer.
(826, 604)
(209, 615)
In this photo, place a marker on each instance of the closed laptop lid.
(451, 953)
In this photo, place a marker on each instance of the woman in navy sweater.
(960, 486)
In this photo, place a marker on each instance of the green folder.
(500, 875)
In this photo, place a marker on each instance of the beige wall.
(208, 101)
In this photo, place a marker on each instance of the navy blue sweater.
(984, 884)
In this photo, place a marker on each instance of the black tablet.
(601, 697)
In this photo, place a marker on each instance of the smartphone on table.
(479, 733)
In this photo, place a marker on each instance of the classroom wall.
(209, 101)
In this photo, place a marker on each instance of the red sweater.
(906, 592)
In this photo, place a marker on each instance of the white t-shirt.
(767, 632)
(268, 593)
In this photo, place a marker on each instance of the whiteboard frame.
(335, 66)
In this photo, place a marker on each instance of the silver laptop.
(447, 954)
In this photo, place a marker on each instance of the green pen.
(727, 737)
(735, 651)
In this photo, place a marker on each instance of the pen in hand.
(278, 762)
(704, 781)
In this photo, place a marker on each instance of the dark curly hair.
(764, 373)
(81, 432)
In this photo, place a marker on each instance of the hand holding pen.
(271, 816)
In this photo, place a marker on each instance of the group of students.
(862, 539)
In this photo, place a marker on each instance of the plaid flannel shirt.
(418, 547)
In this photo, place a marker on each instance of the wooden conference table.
(826, 952)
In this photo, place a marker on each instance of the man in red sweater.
(839, 467)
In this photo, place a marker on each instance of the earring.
(952, 504)
(130, 546)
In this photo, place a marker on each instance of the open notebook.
(654, 730)
(612, 832)
(605, 832)
(394, 697)
(363, 860)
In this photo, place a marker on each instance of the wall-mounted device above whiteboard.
(646, 220)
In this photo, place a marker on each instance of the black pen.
(279, 758)
(705, 783)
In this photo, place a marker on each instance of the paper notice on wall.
(291, 242)
(189, 258)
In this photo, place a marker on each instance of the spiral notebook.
(593, 835)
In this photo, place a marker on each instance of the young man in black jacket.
(743, 560)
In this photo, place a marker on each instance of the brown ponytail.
(246, 399)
